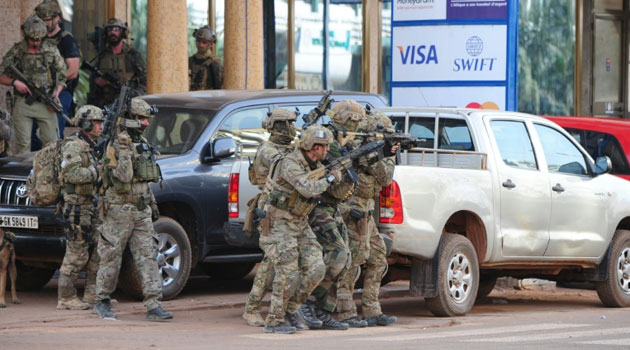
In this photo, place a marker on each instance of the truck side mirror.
(218, 149)
(603, 165)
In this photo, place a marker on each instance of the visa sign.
(449, 53)
(412, 54)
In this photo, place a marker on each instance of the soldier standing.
(79, 175)
(6, 132)
(366, 245)
(50, 13)
(204, 69)
(41, 63)
(129, 210)
(280, 123)
(285, 227)
(328, 225)
(122, 61)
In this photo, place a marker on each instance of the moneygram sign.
(442, 46)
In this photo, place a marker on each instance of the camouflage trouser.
(331, 232)
(82, 229)
(262, 282)
(125, 224)
(368, 249)
(281, 247)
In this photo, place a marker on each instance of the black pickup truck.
(198, 135)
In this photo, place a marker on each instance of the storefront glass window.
(546, 57)
(386, 50)
(344, 46)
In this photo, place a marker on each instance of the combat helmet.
(140, 108)
(34, 28)
(379, 122)
(205, 33)
(85, 115)
(48, 8)
(315, 135)
(115, 22)
(348, 113)
(280, 121)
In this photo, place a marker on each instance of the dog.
(7, 263)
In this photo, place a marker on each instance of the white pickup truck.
(490, 194)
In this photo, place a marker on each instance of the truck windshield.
(175, 130)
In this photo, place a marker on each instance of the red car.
(602, 137)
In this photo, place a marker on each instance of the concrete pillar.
(243, 45)
(27, 8)
(167, 46)
(121, 9)
(371, 49)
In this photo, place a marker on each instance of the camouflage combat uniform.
(6, 132)
(78, 175)
(128, 201)
(206, 71)
(47, 70)
(366, 244)
(289, 242)
(267, 153)
(128, 65)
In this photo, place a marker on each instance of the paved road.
(207, 316)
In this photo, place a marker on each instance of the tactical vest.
(338, 192)
(258, 171)
(283, 196)
(37, 67)
(198, 71)
(117, 64)
(87, 161)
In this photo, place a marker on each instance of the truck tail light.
(390, 205)
(233, 195)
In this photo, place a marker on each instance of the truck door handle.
(558, 188)
(508, 184)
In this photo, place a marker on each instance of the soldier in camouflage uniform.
(327, 223)
(366, 244)
(41, 63)
(280, 123)
(78, 176)
(121, 60)
(6, 131)
(205, 70)
(128, 168)
(285, 229)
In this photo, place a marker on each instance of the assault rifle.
(113, 115)
(371, 151)
(390, 136)
(112, 79)
(38, 93)
(313, 116)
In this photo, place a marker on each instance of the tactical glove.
(155, 212)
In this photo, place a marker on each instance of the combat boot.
(355, 322)
(158, 314)
(293, 320)
(306, 312)
(328, 322)
(281, 328)
(73, 303)
(253, 319)
(104, 311)
(381, 320)
(90, 298)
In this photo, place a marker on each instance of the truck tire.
(486, 285)
(228, 271)
(615, 290)
(458, 277)
(174, 261)
(30, 278)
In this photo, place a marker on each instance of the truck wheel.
(486, 285)
(30, 278)
(228, 271)
(458, 277)
(615, 291)
(174, 261)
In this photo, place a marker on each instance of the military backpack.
(43, 184)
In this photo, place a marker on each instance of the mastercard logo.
(485, 105)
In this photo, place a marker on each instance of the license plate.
(18, 221)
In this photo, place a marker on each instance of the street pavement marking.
(317, 333)
(551, 336)
(622, 342)
(473, 332)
